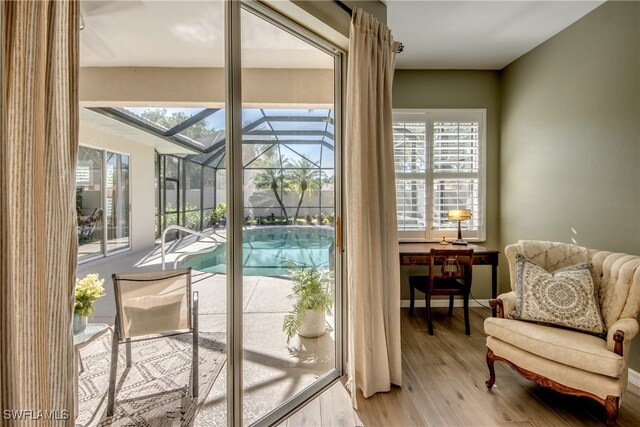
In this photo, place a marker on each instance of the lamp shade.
(459, 214)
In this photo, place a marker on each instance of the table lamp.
(459, 215)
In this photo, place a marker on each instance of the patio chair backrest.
(96, 215)
(153, 303)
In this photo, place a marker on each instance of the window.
(102, 203)
(439, 159)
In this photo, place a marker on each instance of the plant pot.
(313, 325)
(79, 323)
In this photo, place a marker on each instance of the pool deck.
(273, 369)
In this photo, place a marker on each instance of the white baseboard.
(634, 377)
(456, 303)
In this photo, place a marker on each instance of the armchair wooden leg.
(427, 300)
(450, 305)
(611, 405)
(492, 373)
(412, 302)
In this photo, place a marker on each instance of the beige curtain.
(374, 361)
(39, 135)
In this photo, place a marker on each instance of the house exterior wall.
(570, 138)
(203, 87)
(141, 181)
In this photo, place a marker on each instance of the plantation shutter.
(456, 172)
(410, 152)
(439, 167)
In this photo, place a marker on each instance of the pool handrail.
(201, 251)
(189, 231)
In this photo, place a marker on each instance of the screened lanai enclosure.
(288, 160)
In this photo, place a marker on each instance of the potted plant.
(89, 289)
(313, 295)
(218, 213)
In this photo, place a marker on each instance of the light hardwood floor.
(443, 385)
(331, 408)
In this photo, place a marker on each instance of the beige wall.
(460, 89)
(203, 87)
(570, 143)
(142, 182)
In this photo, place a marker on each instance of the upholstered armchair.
(570, 361)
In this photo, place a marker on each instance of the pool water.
(272, 251)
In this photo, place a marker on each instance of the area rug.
(154, 390)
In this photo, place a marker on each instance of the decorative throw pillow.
(564, 298)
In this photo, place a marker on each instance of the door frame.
(234, 167)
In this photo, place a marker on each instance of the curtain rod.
(344, 7)
(347, 9)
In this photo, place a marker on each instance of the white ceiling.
(90, 121)
(156, 33)
(481, 35)
(436, 34)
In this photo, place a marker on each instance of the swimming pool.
(271, 251)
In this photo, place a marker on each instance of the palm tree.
(302, 177)
(272, 177)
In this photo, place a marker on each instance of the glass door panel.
(159, 69)
(288, 209)
(186, 108)
(89, 197)
(117, 206)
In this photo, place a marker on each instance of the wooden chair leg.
(412, 290)
(427, 300)
(467, 328)
(492, 373)
(611, 405)
(450, 305)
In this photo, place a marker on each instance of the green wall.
(460, 89)
(332, 15)
(563, 137)
(570, 137)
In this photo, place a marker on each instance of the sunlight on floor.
(273, 369)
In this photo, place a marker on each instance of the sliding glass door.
(102, 203)
(290, 264)
(117, 201)
(89, 200)
(239, 110)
